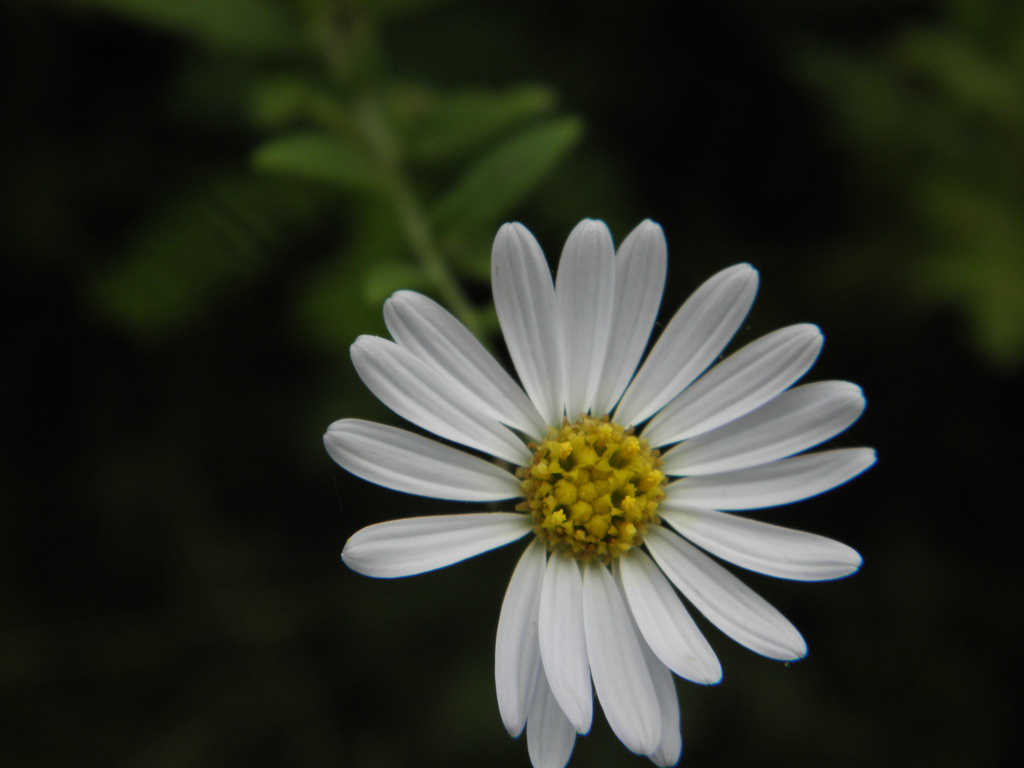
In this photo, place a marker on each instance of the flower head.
(627, 478)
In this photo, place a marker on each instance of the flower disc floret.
(592, 488)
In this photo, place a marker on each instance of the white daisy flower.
(628, 480)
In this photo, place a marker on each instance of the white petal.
(739, 384)
(796, 420)
(726, 601)
(690, 343)
(517, 649)
(585, 289)
(550, 736)
(396, 458)
(416, 391)
(433, 334)
(664, 622)
(671, 746)
(640, 266)
(780, 482)
(524, 298)
(761, 547)
(621, 679)
(419, 544)
(563, 645)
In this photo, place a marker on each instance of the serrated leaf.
(497, 183)
(321, 157)
(249, 26)
(452, 126)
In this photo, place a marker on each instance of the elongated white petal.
(419, 544)
(796, 420)
(585, 289)
(779, 482)
(726, 601)
(563, 645)
(517, 647)
(621, 678)
(664, 622)
(407, 462)
(640, 268)
(524, 297)
(416, 391)
(670, 748)
(690, 343)
(433, 334)
(745, 380)
(771, 549)
(550, 736)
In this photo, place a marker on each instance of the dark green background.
(175, 331)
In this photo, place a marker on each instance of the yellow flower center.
(592, 488)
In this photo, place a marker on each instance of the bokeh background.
(205, 201)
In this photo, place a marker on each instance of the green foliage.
(287, 99)
(980, 267)
(340, 298)
(215, 241)
(381, 281)
(242, 26)
(447, 166)
(443, 127)
(499, 181)
(424, 175)
(319, 157)
(935, 119)
(386, 10)
(373, 142)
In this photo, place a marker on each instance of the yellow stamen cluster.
(592, 488)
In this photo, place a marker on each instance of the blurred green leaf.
(279, 101)
(285, 100)
(966, 73)
(453, 126)
(502, 178)
(980, 269)
(397, 9)
(989, 290)
(210, 93)
(330, 308)
(380, 281)
(934, 119)
(321, 157)
(247, 26)
(379, 10)
(329, 313)
(471, 257)
(177, 266)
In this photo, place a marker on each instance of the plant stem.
(413, 218)
(379, 137)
